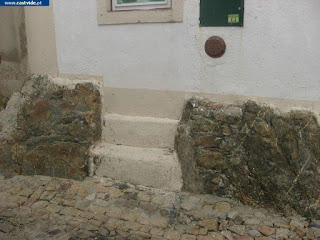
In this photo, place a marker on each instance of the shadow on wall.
(13, 50)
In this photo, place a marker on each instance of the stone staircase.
(138, 149)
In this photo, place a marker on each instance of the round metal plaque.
(215, 47)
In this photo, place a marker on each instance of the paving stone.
(267, 231)
(39, 205)
(254, 233)
(296, 224)
(266, 223)
(309, 233)
(281, 224)
(83, 204)
(69, 211)
(34, 197)
(158, 200)
(238, 220)
(315, 224)
(172, 235)
(160, 222)
(227, 234)
(282, 233)
(94, 222)
(115, 193)
(97, 209)
(145, 228)
(205, 238)
(259, 215)
(188, 237)
(102, 231)
(203, 231)
(87, 214)
(54, 208)
(100, 202)
(115, 212)
(216, 235)
(299, 232)
(70, 203)
(189, 203)
(6, 227)
(144, 197)
(156, 232)
(26, 192)
(238, 229)
(244, 238)
(252, 221)
(210, 224)
(44, 195)
(109, 212)
(194, 230)
(199, 214)
(223, 207)
(101, 189)
(316, 232)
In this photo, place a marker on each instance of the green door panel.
(221, 12)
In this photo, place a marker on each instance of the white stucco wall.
(276, 53)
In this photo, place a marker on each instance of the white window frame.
(140, 6)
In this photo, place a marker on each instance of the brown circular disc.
(215, 47)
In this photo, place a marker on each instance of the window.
(120, 5)
(141, 11)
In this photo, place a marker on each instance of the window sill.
(107, 16)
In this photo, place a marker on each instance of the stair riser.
(144, 102)
(153, 174)
(140, 133)
(153, 167)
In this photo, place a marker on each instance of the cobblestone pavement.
(41, 207)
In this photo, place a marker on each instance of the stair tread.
(154, 167)
(114, 116)
(140, 131)
(135, 153)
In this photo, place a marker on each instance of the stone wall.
(56, 124)
(252, 153)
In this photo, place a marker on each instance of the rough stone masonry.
(41, 207)
(253, 153)
(55, 124)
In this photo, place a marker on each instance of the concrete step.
(144, 102)
(139, 131)
(153, 167)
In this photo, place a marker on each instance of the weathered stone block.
(208, 141)
(253, 153)
(56, 125)
(213, 160)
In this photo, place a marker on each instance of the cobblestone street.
(42, 207)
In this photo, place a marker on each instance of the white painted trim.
(140, 6)
(169, 104)
(164, 15)
(41, 39)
